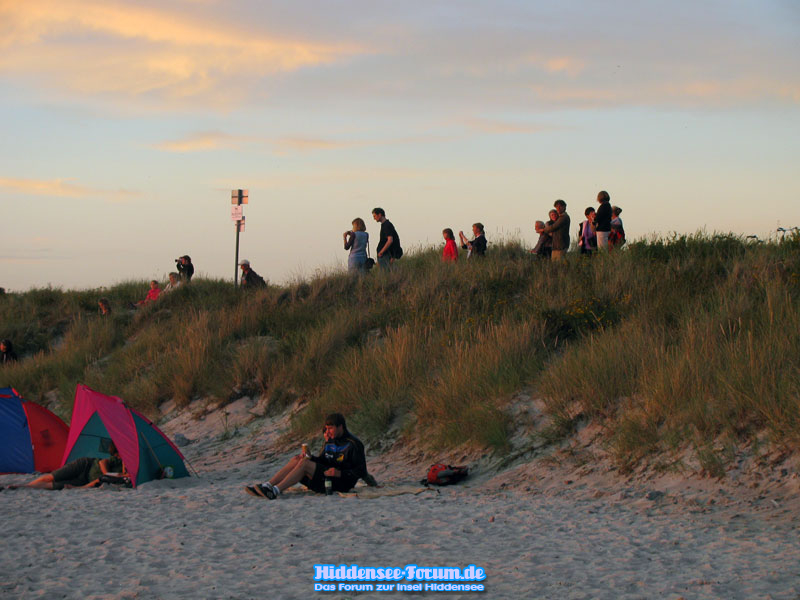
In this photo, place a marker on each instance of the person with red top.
(152, 295)
(450, 252)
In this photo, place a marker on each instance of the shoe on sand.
(251, 489)
(265, 491)
(261, 491)
(370, 480)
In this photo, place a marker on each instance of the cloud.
(565, 64)
(303, 144)
(61, 188)
(215, 140)
(493, 126)
(469, 57)
(689, 93)
(106, 48)
(29, 258)
(205, 141)
(373, 174)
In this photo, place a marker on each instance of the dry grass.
(672, 343)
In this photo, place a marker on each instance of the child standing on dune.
(450, 252)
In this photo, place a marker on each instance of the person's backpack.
(370, 262)
(396, 250)
(442, 474)
(254, 281)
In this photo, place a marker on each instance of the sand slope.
(540, 530)
(207, 539)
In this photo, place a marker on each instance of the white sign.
(237, 194)
(236, 213)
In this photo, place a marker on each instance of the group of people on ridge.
(602, 229)
(356, 240)
(184, 273)
(389, 250)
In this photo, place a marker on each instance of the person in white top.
(174, 283)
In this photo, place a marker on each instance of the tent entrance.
(93, 441)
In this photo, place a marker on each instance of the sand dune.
(539, 528)
(205, 538)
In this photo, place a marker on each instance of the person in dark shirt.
(559, 230)
(250, 279)
(7, 354)
(185, 267)
(82, 472)
(342, 460)
(602, 220)
(476, 246)
(389, 249)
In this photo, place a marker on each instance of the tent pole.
(196, 474)
(149, 447)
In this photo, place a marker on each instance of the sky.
(125, 126)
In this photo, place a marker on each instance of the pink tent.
(145, 450)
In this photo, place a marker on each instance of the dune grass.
(672, 343)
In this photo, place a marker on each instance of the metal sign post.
(238, 197)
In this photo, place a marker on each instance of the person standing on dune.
(602, 220)
(559, 230)
(389, 249)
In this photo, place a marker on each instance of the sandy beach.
(539, 530)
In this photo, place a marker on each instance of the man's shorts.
(73, 473)
(317, 482)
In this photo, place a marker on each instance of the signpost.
(238, 198)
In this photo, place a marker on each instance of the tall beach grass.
(673, 343)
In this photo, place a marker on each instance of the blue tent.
(31, 437)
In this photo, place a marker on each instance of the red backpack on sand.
(441, 474)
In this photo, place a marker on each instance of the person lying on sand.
(342, 462)
(82, 472)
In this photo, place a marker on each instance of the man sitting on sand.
(342, 461)
(82, 472)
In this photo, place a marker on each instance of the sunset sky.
(126, 124)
